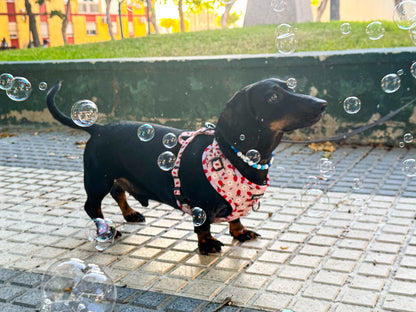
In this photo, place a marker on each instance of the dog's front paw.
(209, 245)
(134, 217)
(244, 235)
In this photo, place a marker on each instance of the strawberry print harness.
(242, 194)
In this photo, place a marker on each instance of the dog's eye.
(273, 98)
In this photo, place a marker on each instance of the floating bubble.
(292, 83)
(345, 28)
(169, 140)
(412, 33)
(404, 14)
(198, 216)
(146, 132)
(390, 83)
(375, 30)
(253, 156)
(283, 29)
(311, 182)
(352, 105)
(357, 183)
(408, 138)
(166, 161)
(326, 168)
(84, 113)
(210, 126)
(101, 233)
(6, 81)
(409, 167)
(401, 144)
(413, 69)
(278, 5)
(73, 285)
(43, 86)
(400, 72)
(242, 137)
(20, 89)
(286, 43)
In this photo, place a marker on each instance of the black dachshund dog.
(239, 150)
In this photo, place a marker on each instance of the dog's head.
(267, 107)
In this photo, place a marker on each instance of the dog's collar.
(251, 163)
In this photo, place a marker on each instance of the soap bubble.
(166, 161)
(404, 14)
(412, 33)
(413, 69)
(375, 30)
(43, 86)
(20, 89)
(408, 138)
(352, 105)
(71, 285)
(345, 28)
(284, 29)
(357, 183)
(242, 137)
(313, 194)
(400, 72)
(6, 81)
(401, 144)
(84, 113)
(198, 216)
(291, 83)
(209, 126)
(278, 5)
(146, 132)
(326, 168)
(253, 156)
(95, 291)
(409, 167)
(311, 182)
(286, 43)
(390, 83)
(169, 140)
(101, 233)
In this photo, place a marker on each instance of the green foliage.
(56, 13)
(248, 40)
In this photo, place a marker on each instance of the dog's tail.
(61, 117)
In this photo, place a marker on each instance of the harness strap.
(184, 139)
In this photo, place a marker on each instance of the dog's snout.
(322, 104)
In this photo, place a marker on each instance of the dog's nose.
(322, 104)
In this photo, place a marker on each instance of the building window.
(11, 1)
(69, 30)
(13, 30)
(91, 29)
(88, 6)
(44, 31)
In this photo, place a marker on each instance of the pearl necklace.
(250, 162)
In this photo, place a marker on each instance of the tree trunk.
(334, 10)
(108, 18)
(181, 17)
(321, 10)
(65, 21)
(152, 16)
(32, 24)
(226, 14)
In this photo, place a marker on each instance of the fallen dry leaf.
(327, 147)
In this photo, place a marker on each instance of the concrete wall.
(186, 92)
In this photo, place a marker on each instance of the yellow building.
(87, 21)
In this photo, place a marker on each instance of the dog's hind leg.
(119, 195)
(239, 232)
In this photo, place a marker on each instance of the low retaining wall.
(186, 92)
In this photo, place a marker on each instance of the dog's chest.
(242, 194)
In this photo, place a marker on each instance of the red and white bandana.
(239, 192)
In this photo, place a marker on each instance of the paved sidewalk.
(347, 250)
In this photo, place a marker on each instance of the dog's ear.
(238, 123)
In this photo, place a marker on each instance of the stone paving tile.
(336, 255)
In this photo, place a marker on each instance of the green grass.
(249, 40)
